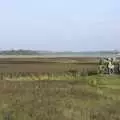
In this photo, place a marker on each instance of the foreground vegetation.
(51, 91)
(69, 75)
(89, 98)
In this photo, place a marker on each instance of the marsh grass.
(65, 75)
(61, 96)
(61, 99)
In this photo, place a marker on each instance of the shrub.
(92, 82)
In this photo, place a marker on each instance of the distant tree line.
(19, 52)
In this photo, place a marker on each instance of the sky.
(60, 25)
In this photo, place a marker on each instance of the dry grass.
(87, 98)
(61, 100)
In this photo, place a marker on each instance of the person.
(110, 66)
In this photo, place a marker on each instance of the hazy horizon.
(64, 25)
(60, 51)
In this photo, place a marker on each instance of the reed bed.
(69, 75)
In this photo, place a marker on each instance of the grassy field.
(56, 94)
(90, 98)
(41, 65)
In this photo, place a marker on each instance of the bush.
(93, 82)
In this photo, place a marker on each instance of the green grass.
(83, 99)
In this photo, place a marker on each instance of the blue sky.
(58, 25)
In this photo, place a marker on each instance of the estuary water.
(78, 54)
